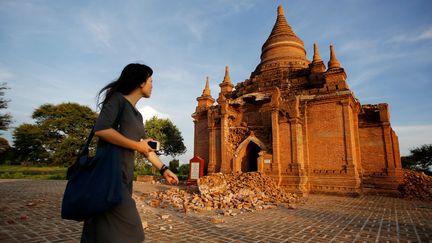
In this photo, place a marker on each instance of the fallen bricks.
(416, 185)
(225, 192)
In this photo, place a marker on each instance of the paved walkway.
(29, 212)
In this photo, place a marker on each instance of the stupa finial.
(227, 78)
(316, 56)
(280, 10)
(206, 91)
(333, 63)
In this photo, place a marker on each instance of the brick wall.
(201, 144)
(285, 146)
(325, 136)
(372, 149)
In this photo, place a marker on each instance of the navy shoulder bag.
(94, 183)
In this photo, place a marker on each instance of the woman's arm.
(113, 136)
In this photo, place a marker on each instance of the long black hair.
(132, 76)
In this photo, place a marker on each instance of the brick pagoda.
(298, 122)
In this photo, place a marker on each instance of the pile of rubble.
(247, 191)
(416, 185)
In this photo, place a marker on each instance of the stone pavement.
(29, 212)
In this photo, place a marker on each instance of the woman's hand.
(143, 147)
(171, 177)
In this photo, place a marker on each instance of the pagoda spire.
(281, 27)
(206, 91)
(226, 85)
(283, 47)
(334, 62)
(205, 100)
(335, 76)
(316, 56)
(280, 10)
(227, 78)
(317, 66)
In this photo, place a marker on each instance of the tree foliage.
(164, 131)
(5, 119)
(6, 151)
(4, 145)
(174, 165)
(29, 144)
(419, 159)
(184, 169)
(57, 135)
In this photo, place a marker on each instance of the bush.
(173, 165)
(38, 173)
(57, 177)
(184, 169)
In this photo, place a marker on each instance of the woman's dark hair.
(132, 76)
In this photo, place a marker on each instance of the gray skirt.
(119, 224)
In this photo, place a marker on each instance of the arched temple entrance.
(249, 162)
(248, 156)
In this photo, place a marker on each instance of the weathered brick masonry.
(299, 122)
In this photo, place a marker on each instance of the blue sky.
(66, 51)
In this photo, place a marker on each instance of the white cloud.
(174, 75)
(196, 28)
(413, 136)
(148, 112)
(359, 79)
(425, 35)
(5, 75)
(422, 36)
(98, 28)
(356, 46)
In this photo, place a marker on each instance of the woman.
(122, 223)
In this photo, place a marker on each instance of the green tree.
(164, 131)
(58, 134)
(184, 169)
(5, 151)
(29, 144)
(4, 145)
(5, 119)
(408, 162)
(174, 165)
(64, 120)
(419, 159)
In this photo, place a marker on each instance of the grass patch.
(32, 172)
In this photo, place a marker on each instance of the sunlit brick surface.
(29, 212)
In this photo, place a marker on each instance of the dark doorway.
(250, 160)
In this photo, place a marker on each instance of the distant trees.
(171, 140)
(60, 130)
(5, 118)
(5, 121)
(57, 135)
(184, 169)
(4, 145)
(419, 159)
(5, 150)
(164, 131)
(29, 144)
(174, 165)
